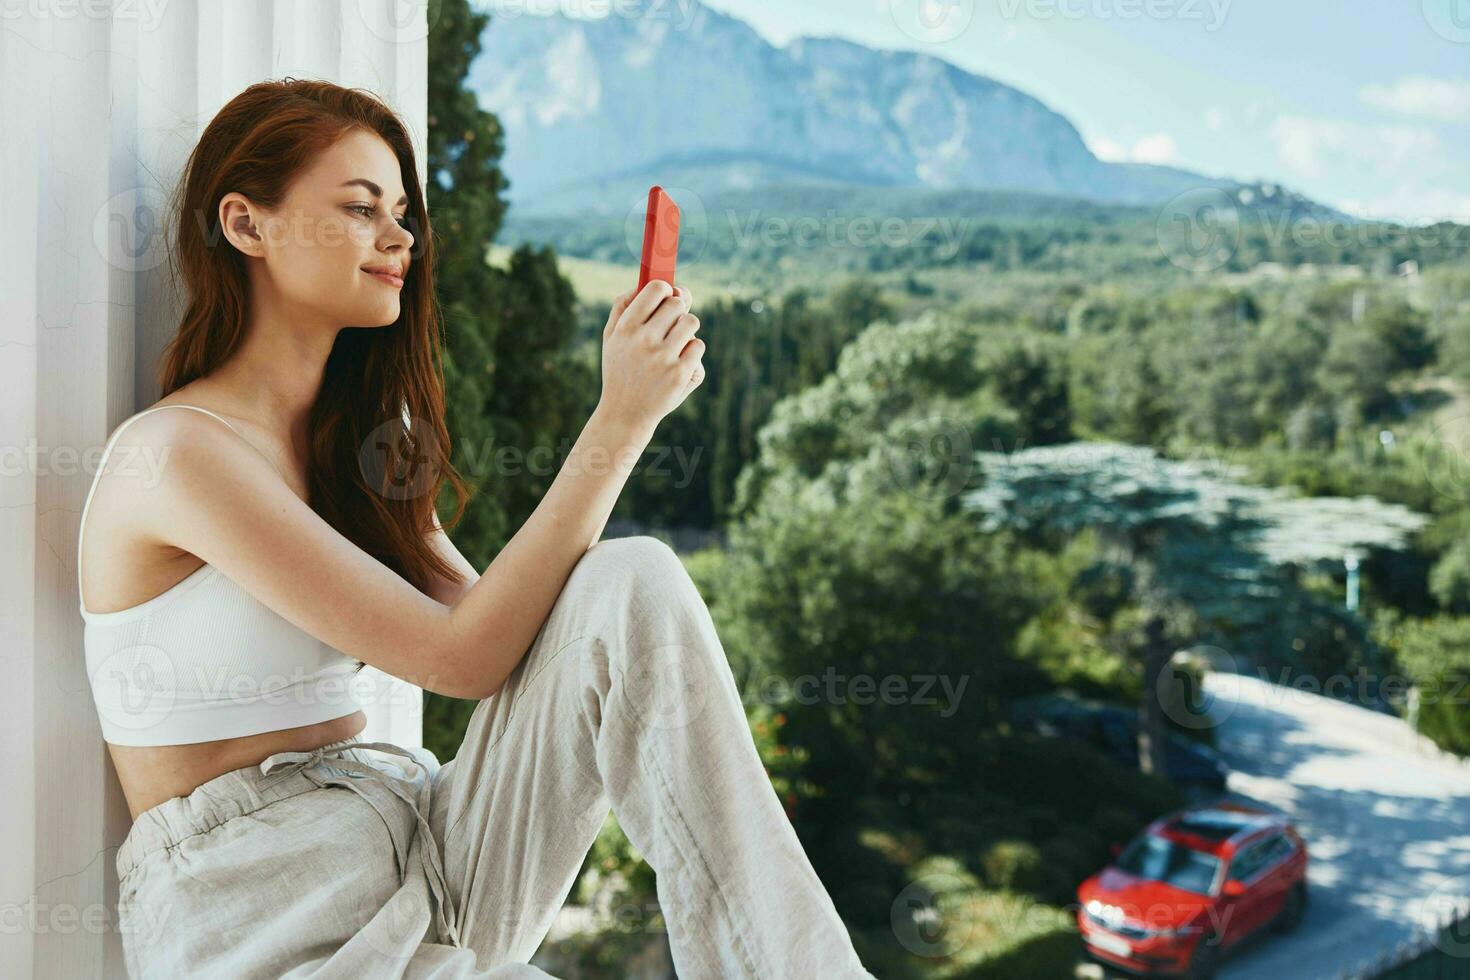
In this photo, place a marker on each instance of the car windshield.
(1160, 859)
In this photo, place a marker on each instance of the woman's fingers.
(660, 309)
(680, 333)
(620, 303)
(665, 316)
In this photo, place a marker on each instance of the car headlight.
(1104, 913)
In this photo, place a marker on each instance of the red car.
(1191, 886)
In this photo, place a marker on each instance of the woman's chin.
(380, 317)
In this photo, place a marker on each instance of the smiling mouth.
(386, 277)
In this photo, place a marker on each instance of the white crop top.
(205, 659)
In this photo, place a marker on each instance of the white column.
(100, 104)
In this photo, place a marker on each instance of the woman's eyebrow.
(376, 190)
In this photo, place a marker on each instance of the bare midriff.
(152, 774)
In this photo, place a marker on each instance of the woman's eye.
(367, 211)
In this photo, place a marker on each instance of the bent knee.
(641, 567)
(645, 545)
(637, 555)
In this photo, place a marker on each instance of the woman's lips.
(388, 278)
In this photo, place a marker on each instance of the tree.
(893, 384)
(1434, 654)
(764, 353)
(884, 634)
(510, 381)
(1028, 371)
(1212, 557)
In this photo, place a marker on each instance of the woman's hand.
(651, 359)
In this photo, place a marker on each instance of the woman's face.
(342, 216)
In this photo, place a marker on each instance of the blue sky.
(1363, 104)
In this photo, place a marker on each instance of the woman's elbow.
(471, 678)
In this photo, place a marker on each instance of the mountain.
(597, 110)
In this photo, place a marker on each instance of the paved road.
(1386, 817)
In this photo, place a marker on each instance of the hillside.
(595, 110)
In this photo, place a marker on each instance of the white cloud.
(1106, 149)
(1153, 148)
(1391, 172)
(1156, 148)
(1413, 204)
(1309, 145)
(1423, 97)
(1257, 111)
(1215, 118)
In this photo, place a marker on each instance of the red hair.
(255, 146)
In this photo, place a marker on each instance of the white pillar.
(100, 104)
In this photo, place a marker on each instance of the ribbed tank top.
(205, 659)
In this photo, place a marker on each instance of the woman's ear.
(238, 224)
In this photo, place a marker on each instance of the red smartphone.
(660, 238)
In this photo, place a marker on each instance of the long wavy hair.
(380, 412)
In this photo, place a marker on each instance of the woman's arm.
(226, 504)
(650, 363)
(442, 589)
(503, 611)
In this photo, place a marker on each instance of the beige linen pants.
(365, 859)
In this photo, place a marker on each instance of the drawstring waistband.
(282, 764)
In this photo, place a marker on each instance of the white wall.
(98, 110)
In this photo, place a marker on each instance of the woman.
(249, 551)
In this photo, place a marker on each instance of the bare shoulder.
(128, 551)
(209, 495)
(146, 444)
(216, 499)
(165, 455)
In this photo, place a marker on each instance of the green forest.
(1015, 459)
